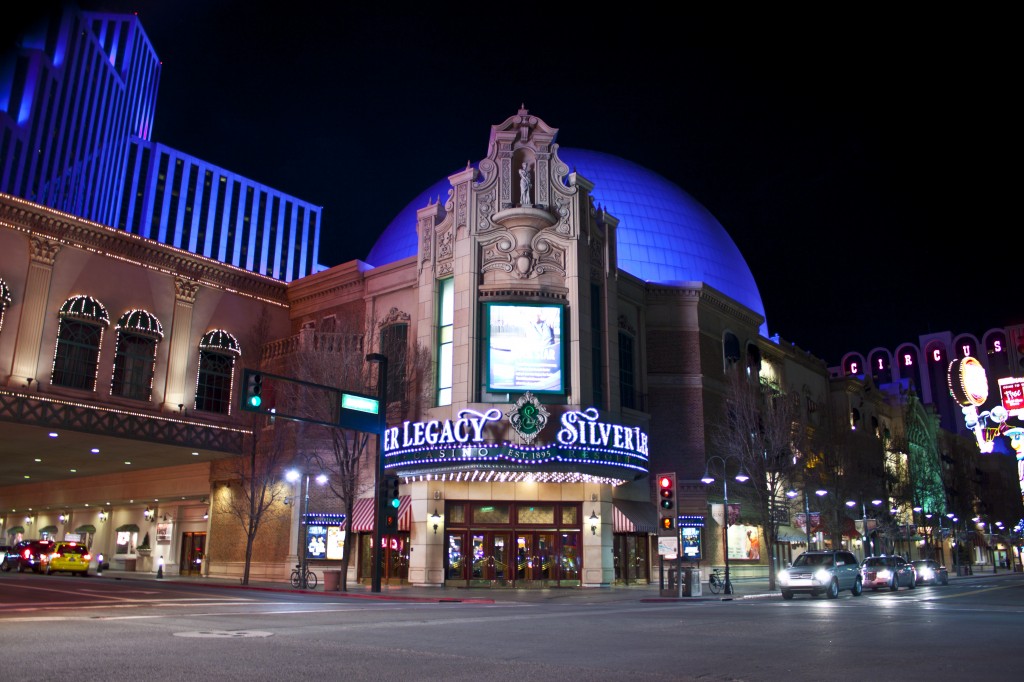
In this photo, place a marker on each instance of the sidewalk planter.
(332, 580)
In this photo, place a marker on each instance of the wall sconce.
(165, 518)
(28, 520)
(103, 515)
(594, 520)
(64, 517)
(436, 518)
(149, 515)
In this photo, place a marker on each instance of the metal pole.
(725, 496)
(382, 409)
(305, 535)
(866, 545)
(807, 518)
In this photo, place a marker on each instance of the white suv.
(825, 572)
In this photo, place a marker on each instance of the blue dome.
(664, 237)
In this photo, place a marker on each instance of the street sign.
(360, 412)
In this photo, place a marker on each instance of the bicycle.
(303, 582)
(716, 581)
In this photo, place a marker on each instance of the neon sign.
(582, 443)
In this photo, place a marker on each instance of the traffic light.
(389, 504)
(253, 389)
(667, 504)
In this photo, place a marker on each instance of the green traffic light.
(396, 503)
(255, 401)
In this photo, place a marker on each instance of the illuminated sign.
(325, 536)
(524, 347)
(582, 441)
(468, 428)
(968, 382)
(1011, 390)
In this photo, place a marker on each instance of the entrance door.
(193, 551)
(491, 556)
(536, 558)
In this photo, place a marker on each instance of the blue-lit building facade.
(78, 101)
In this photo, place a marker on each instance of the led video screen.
(524, 347)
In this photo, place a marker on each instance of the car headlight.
(885, 574)
(927, 573)
(822, 575)
(783, 576)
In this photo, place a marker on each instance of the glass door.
(193, 551)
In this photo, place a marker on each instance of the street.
(95, 628)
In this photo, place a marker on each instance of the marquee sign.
(582, 444)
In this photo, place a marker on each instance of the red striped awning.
(633, 516)
(363, 514)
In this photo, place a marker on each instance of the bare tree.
(337, 358)
(258, 471)
(847, 463)
(764, 428)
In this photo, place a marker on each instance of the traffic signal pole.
(378, 482)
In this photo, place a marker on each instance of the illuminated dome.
(664, 237)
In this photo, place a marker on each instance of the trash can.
(691, 583)
(332, 580)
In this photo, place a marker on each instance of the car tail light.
(87, 557)
(27, 554)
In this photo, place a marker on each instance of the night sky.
(863, 166)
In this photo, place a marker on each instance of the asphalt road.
(98, 629)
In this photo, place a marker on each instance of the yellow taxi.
(70, 557)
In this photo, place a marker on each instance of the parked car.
(930, 572)
(893, 572)
(32, 555)
(825, 572)
(71, 557)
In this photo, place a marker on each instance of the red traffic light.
(665, 482)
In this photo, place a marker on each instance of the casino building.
(578, 317)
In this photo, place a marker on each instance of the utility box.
(691, 586)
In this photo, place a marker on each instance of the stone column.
(42, 255)
(177, 388)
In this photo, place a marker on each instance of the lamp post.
(382, 413)
(820, 492)
(707, 479)
(868, 550)
(293, 475)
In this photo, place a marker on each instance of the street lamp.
(293, 475)
(864, 518)
(820, 492)
(707, 479)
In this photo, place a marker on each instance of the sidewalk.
(743, 588)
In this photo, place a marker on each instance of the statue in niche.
(524, 184)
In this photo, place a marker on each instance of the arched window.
(217, 352)
(5, 300)
(394, 343)
(730, 349)
(138, 333)
(79, 338)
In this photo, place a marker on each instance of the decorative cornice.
(48, 228)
